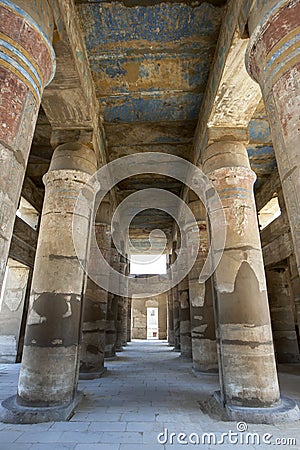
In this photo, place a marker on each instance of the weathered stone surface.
(139, 316)
(272, 45)
(132, 77)
(282, 316)
(12, 310)
(244, 328)
(53, 326)
(21, 92)
(170, 319)
(95, 302)
(185, 320)
(204, 346)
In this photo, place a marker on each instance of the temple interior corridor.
(138, 133)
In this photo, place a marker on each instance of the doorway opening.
(152, 323)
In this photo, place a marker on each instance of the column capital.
(26, 34)
(74, 156)
(225, 154)
(274, 46)
(218, 132)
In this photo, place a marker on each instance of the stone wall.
(11, 309)
(139, 315)
(282, 275)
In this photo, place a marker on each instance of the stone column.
(122, 315)
(171, 336)
(125, 307)
(124, 321)
(95, 303)
(27, 64)
(129, 320)
(247, 367)
(175, 299)
(176, 319)
(119, 324)
(273, 60)
(282, 315)
(110, 331)
(120, 307)
(204, 345)
(294, 279)
(162, 315)
(185, 320)
(12, 309)
(49, 370)
(112, 312)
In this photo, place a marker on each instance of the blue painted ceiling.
(260, 147)
(150, 62)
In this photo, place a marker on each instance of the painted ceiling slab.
(151, 108)
(150, 63)
(149, 134)
(114, 23)
(260, 148)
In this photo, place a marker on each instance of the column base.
(186, 357)
(119, 349)
(199, 373)
(110, 358)
(92, 375)
(176, 350)
(110, 353)
(12, 412)
(286, 411)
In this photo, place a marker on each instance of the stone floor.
(147, 390)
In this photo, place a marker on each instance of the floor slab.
(148, 391)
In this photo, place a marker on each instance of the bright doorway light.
(28, 213)
(148, 264)
(152, 323)
(269, 213)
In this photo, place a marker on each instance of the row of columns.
(57, 319)
(246, 360)
(66, 333)
(96, 302)
(225, 322)
(50, 365)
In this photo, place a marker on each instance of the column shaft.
(112, 312)
(273, 60)
(95, 303)
(162, 316)
(119, 323)
(48, 373)
(185, 321)
(176, 318)
(204, 345)
(247, 370)
(282, 316)
(171, 336)
(124, 321)
(129, 320)
(27, 63)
